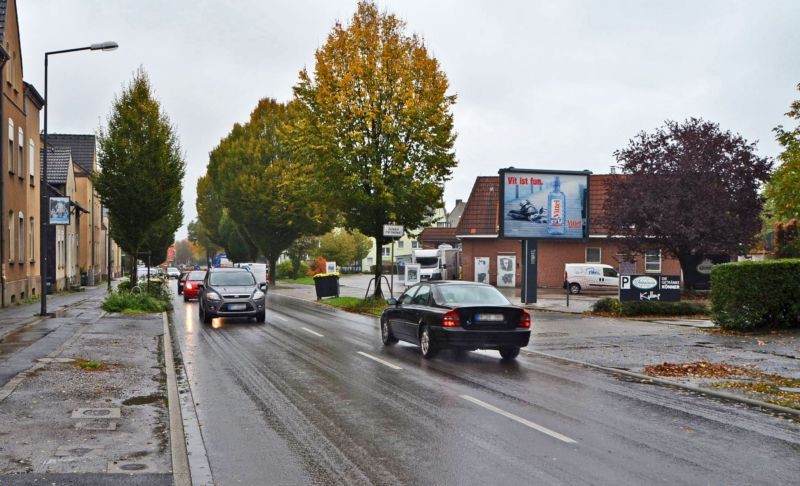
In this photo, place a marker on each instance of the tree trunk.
(378, 267)
(134, 275)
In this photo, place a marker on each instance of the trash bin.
(326, 286)
(84, 279)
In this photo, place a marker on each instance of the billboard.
(660, 288)
(58, 209)
(544, 204)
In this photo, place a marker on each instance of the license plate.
(489, 317)
(235, 307)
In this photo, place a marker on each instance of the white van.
(590, 276)
(259, 270)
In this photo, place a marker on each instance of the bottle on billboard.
(556, 210)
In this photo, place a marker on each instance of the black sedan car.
(456, 314)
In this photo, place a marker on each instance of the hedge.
(756, 295)
(611, 305)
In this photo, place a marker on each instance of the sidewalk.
(629, 345)
(62, 423)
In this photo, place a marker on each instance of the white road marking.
(312, 332)
(390, 365)
(521, 420)
(276, 316)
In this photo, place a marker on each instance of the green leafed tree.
(783, 190)
(272, 198)
(199, 236)
(376, 121)
(337, 246)
(141, 174)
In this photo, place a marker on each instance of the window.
(421, 297)
(32, 162)
(592, 255)
(10, 146)
(400, 243)
(11, 236)
(386, 251)
(21, 161)
(652, 261)
(21, 230)
(610, 272)
(31, 244)
(415, 244)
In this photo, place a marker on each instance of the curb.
(181, 475)
(665, 382)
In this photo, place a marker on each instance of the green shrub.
(285, 270)
(607, 304)
(754, 295)
(648, 308)
(134, 303)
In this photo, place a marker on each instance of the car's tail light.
(188, 286)
(524, 319)
(450, 319)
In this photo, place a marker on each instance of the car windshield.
(428, 262)
(196, 276)
(232, 278)
(469, 295)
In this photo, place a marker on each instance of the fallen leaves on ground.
(698, 369)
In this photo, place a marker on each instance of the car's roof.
(228, 269)
(455, 282)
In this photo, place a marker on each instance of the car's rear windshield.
(196, 276)
(468, 295)
(232, 278)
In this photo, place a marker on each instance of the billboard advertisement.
(59, 210)
(544, 204)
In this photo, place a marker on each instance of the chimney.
(459, 201)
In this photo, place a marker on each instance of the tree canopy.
(142, 171)
(375, 119)
(689, 188)
(783, 190)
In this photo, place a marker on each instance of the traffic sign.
(393, 230)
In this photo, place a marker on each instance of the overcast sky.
(540, 84)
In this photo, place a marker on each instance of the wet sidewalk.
(86, 399)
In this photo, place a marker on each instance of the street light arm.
(99, 46)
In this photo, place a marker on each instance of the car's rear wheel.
(426, 344)
(509, 353)
(574, 288)
(386, 334)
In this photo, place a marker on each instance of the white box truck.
(438, 264)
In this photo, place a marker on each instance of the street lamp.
(43, 212)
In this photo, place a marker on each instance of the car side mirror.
(200, 286)
(391, 301)
(263, 285)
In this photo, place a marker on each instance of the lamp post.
(44, 210)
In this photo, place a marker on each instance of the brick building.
(484, 251)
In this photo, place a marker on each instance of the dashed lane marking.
(312, 332)
(521, 420)
(385, 363)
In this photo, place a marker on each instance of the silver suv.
(231, 292)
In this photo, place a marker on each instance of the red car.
(190, 283)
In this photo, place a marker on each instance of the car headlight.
(211, 295)
(258, 295)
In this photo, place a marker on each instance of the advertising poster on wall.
(482, 269)
(59, 210)
(544, 204)
(506, 270)
(412, 274)
(330, 267)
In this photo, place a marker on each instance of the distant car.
(173, 272)
(141, 272)
(456, 314)
(232, 292)
(191, 284)
(590, 276)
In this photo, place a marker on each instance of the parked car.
(590, 276)
(141, 272)
(191, 284)
(173, 272)
(232, 292)
(456, 314)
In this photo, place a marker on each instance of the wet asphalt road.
(294, 401)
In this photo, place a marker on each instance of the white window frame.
(400, 244)
(10, 146)
(31, 240)
(599, 254)
(649, 265)
(21, 236)
(11, 236)
(21, 150)
(415, 244)
(32, 161)
(386, 251)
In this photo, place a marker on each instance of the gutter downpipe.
(4, 57)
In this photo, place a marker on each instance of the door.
(416, 311)
(610, 279)
(506, 270)
(482, 269)
(399, 316)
